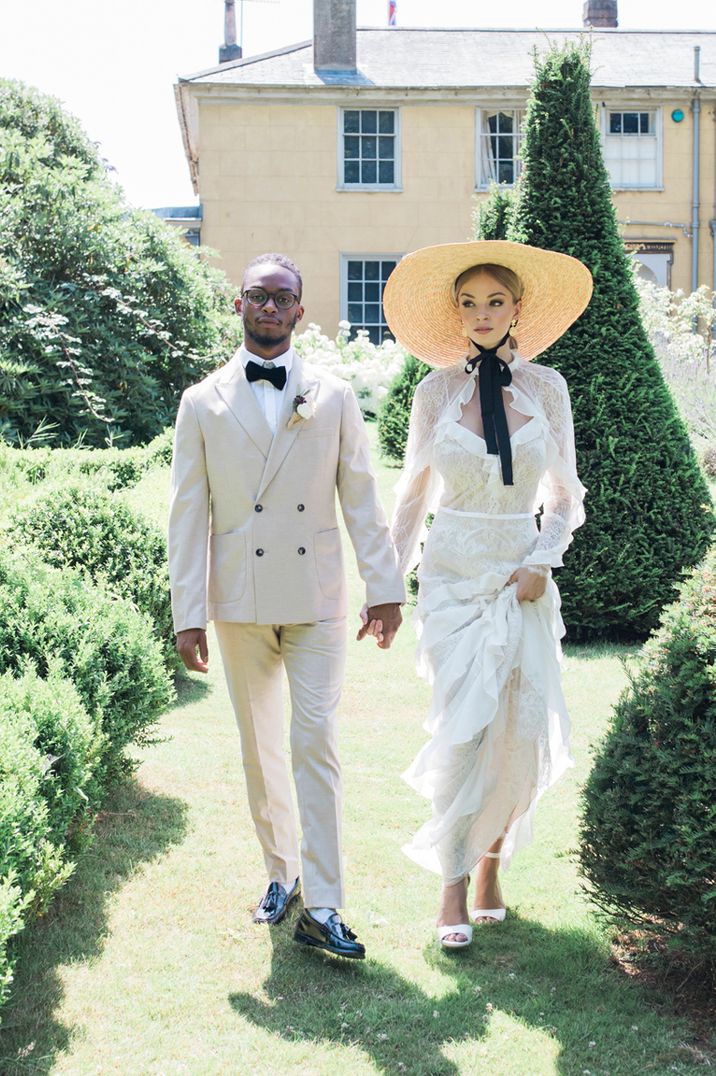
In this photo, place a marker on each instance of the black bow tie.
(275, 374)
(494, 374)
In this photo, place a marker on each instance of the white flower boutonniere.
(304, 408)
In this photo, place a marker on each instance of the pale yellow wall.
(268, 179)
(673, 203)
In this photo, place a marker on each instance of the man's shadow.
(533, 974)
(134, 828)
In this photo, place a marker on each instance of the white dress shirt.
(269, 398)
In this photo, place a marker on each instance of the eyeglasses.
(284, 299)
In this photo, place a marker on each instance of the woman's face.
(486, 308)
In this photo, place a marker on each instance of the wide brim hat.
(422, 314)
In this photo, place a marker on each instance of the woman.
(490, 442)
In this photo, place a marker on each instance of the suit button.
(301, 507)
(259, 552)
(301, 551)
(258, 508)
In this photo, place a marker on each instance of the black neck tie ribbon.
(275, 374)
(494, 374)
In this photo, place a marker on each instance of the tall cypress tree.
(649, 515)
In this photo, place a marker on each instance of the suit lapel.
(284, 438)
(237, 394)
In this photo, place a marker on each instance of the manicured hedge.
(50, 751)
(648, 838)
(115, 547)
(63, 624)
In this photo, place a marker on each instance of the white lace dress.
(498, 722)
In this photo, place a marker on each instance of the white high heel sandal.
(445, 931)
(496, 914)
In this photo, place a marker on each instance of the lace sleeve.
(418, 487)
(560, 494)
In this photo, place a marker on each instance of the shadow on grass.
(559, 982)
(190, 689)
(134, 828)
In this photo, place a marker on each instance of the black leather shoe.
(275, 903)
(334, 936)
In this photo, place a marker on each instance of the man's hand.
(187, 644)
(381, 621)
(530, 585)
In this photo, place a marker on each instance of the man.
(262, 446)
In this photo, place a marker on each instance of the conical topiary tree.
(394, 416)
(648, 510)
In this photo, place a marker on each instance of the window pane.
(615, 123)
(631, 123)
(385, 148)
(386, 122)
(374, 333)
(504, 123)
(355, 313)
(355, 293)
(386, 172)
(644, 124)
(352, 146)
(351, 172)
(492, 124)
(368, 172)
(369, 148)
(386, 268)
(355, 270)
(505, 148)
(368, 121)
(372, 293)
(351, 122)
(372, 313)
(372, 270)
(506, 172)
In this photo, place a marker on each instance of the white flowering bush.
(370, 368)
(681, 328)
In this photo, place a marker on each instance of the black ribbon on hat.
(494, 374)
(275, 374)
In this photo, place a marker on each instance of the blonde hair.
(507, 277)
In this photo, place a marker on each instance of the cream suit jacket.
(253, 534)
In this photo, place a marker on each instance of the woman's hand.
(530, 585)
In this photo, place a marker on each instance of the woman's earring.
(513, 323)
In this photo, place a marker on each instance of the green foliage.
(493, 215)
(105, 313)
(49, 753)
(648, 508)
(394, 415)
(648, 838)
(77, 527)
(114, 468)
(102, 644)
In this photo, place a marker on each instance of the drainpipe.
(696, 174)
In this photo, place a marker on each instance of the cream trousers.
(313, 656)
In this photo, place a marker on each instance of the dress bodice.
(471, 477)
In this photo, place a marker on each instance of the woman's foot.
(453, 910)
(489, 907)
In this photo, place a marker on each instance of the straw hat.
(421, 310)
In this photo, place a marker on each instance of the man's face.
(269, 325)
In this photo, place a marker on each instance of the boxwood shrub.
(648, 834)
(79, 527)
(68, 626)
(49, 759)
(394, 415)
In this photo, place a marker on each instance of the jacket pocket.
(329, 562)
(227, 567)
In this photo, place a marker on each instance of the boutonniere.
(304, 408)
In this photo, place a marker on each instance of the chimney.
(334, 35)
(229, 50)
(600, 13)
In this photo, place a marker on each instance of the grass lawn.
(148, 961)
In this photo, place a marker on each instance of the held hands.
(382, 622)
(187, 644)
(531, 585)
